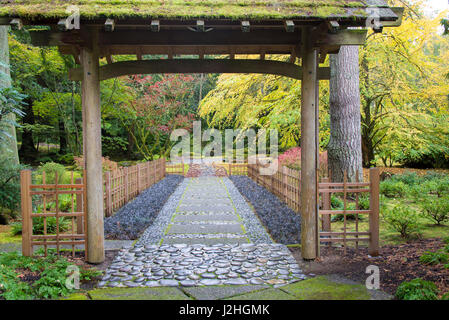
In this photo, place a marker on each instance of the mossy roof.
(189, 9)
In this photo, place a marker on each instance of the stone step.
(206, 217)
(205, 228)
(207, 241)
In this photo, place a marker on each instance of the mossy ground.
(318, 288)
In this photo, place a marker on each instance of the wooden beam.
(139, 53)
(399, 11)
(346, 37)
(109, 25)
(16, 24)
(170, 37)
(63, 25)
(122, 68)
(245, 25)
(308, 196)
(155, 26)
(200, 26)
(289, 26)
(92, 142)
(262, 55)
(333, 26)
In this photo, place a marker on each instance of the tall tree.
(344, 148)
(8, 146)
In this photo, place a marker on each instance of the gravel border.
(156, 231)
(253, 227)
(132, 219)
(282, 222)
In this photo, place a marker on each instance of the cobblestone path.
(206, 234)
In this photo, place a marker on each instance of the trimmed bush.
(393, 189)
(436, 210)
(417, 289)
(51, 169)
(402, 220)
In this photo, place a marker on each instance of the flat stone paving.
(212, 238)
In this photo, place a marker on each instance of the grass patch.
(7, 237)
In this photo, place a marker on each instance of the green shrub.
(445, 296)
(393, 189)
(436, 210)
(408, 178)
(340, 217)
(38, 225)
(402, 220)
(417, 289)
(51, 169)
(446, 240)
(66, 159)
(364, 202)
(336, 202)
(52, 271)
(434, 258)
(9, 189)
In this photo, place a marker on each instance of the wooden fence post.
(373, 248)
(138, 179)
(125, 174)
(27, 222)
(326, 218)
(108, 191)
(79, 208)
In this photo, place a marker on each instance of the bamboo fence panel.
(124, 184)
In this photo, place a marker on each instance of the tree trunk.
(62, 137)
(9, 147)
(344, 149)
(28, 151)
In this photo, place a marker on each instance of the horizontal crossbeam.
(123, 68)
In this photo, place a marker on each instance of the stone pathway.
(211, 237)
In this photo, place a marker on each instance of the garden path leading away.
(210, 236)
(207, 243)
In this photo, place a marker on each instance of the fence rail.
(56, 225)
(124, 184)
(175, 168)
(285, 184)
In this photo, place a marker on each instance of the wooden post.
(79, 208)
(326, 206)
(27, 223)
(92, 143)
(125, 181)
(108, 191)
(138, 179)
(309, 239)
(374, 178)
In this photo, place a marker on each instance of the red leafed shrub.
(292, 159)
(108, 165)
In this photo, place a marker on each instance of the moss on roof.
(179, 9)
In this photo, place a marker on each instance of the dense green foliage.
(50, 281)
(417, 289)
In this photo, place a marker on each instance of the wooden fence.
(176, 168)
(58, 225)
(240, 169)
(285, 184)
(124, 184)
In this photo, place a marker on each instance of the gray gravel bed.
(133, 218)
(282, 222)
(253, 227)
(154, 233)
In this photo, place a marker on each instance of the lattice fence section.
(237, 169)
(53, 214)
(175, 168)
(124, 184)
(284, 183)
(360, 205)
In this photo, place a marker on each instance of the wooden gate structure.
(92, 29)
